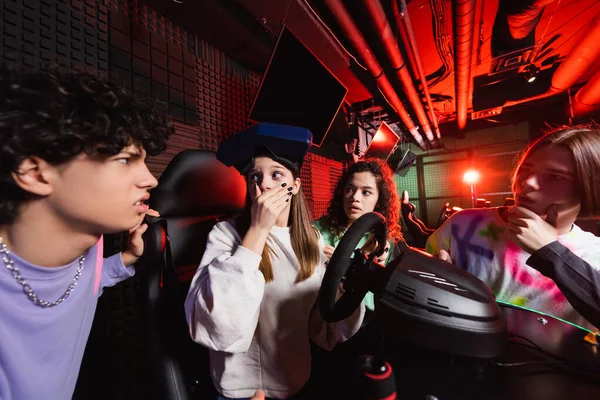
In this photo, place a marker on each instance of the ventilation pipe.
(333, 45)
(522, 22)
(405, 27)
(587, 99)
(343, 18)
(464, 25)
(386, 35)
(583, 56)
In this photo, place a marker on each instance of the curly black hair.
(388, 203)
(56, 116)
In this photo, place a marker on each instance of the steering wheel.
(354, 272)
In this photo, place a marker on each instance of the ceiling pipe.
(386, 35)
(583, 56)
(404, 40)
(342, 16)
(464, 25)
(522, 22)
(408, 35)
(325, 32)
(587, 99)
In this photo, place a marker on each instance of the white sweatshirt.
(259, 333)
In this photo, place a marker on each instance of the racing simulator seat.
(418, 232)
(193, 193)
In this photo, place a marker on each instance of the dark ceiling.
(509, 42)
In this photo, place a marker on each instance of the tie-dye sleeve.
(440, 239)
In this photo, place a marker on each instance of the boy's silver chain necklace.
(16, 273)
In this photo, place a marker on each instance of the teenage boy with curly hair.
(72, 168)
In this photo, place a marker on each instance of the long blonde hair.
(304, 237)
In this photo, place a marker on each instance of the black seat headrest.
(195, 183)
(193, 192)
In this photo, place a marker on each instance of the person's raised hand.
(258, 395)
(135, 245)
(268, 205)
(445, 256)
(530, 231)
(328, 250)
(371, 245)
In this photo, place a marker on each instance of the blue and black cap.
(285, 144)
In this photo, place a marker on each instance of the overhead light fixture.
(530, 72)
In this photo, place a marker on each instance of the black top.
(576, 279)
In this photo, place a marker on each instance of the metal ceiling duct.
(587, 99)
(386, 35)
(408, 34)
(464, 26)
(524, 20)
(353, 34)
(583, 56)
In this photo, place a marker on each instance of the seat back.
(417, 231)
(193, 193)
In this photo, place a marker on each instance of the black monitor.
(401, 161)
(298, 90)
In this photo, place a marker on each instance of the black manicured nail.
(287, 200)
(283, 184)
(289, 193)
(290, 189)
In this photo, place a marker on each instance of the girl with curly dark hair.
(366, 186)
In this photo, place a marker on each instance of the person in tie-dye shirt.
(532, 254)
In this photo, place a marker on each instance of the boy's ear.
(34, 175)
